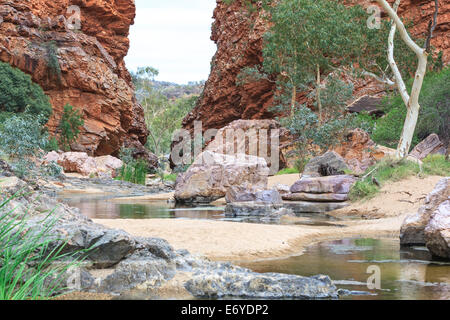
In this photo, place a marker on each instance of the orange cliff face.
(238, 34)
(89, 72)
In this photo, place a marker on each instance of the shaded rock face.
(413, 228)
(238, 33)
(437, 232)
(431, 145)
(213, 174)
(89, 72)
(329, 164)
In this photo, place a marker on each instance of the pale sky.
(173, 36)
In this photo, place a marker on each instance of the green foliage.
(22, 135)
(288, 171)
(20, 95)
(52, 59)
(163, 115)
(390, 171)
(434, 114)
(52, 169)
(69, 126)
(171, 177)
(134, 172)
(29, 268)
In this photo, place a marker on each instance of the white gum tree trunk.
(411, 101)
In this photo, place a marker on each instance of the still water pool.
(406, 273)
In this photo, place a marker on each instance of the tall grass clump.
(391, 171)
(31, 268)
(134, 172)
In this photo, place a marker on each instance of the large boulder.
(238, 194)
(329, 164)
(413, 229)
(331, 184)
(82, 163)
(78, 162)
(431, 145)
(261, 138)
(213, 174)
(437, 232)
(243, 283)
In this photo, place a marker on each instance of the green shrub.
(69, 126)
(134, 172)
(288, 171)
(29, 268)
(19, 94)
(171, 177)
(22, 136)
(434, 114)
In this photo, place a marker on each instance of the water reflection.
(107, 208)
(405, 273)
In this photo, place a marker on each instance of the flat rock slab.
(331, 184)
(300, 207)
(315, 197)
(251, 209)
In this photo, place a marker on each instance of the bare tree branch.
(432, 26)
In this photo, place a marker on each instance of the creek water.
(405, 273)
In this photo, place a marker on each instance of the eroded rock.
(213, 174)
(329, 164)
(431, 145)
(413, 228)
(437, 232)
(332, 184)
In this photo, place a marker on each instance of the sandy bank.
(396, 198)
(230, 241)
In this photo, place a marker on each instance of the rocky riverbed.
(118, 262)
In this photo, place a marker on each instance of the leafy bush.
(434, 115)
(19, 94)
(69, 125)
(29, 268)
(22, 136)
(134, 172)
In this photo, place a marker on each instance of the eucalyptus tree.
(411, 100)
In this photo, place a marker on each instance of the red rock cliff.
(91, 75)
(238, 35)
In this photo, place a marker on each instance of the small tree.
(411, 101)
(311, 38)
(69, 126)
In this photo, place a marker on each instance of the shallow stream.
(405, 273)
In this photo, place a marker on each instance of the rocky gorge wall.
(83, 67)
(238, 33)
